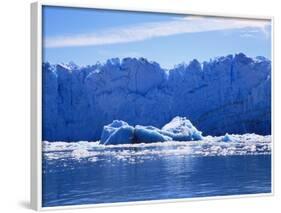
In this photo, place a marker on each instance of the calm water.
(72, 177)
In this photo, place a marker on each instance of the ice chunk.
(118, 132)
(149, 134)
(80, 153)
(227, 138)
(181, 129)
(93, 151)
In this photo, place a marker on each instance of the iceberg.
(118, 132)
(181, 129)
(150, 134)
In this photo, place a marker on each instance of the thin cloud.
(151, 30)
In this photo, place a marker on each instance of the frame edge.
(35, 148)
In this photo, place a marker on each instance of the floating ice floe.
(227, 138)
(149, 134)
(181, 129)
(178, 129)
(118, 132)
(247, 144)
(80, 153)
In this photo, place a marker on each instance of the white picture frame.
(36, 104)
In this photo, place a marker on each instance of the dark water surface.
(107, 179)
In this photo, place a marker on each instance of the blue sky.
(86, 36)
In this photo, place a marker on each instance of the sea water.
(89, 173)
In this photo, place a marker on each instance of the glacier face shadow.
(227, 94)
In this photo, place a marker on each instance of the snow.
(227, 94)
(181, 129)
(118, 132)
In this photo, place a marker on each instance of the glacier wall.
(227, 94)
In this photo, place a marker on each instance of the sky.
(87, 36)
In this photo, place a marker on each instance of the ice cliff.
(227, 94)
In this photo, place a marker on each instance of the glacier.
(229, 94)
